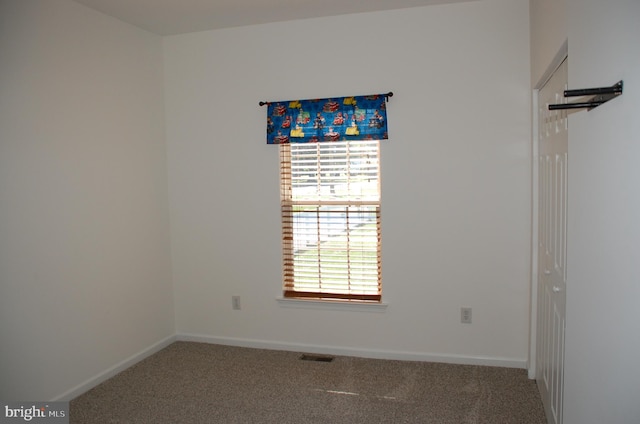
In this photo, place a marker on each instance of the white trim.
(114, 370)
(336, 305)
(362, 353)
(533, 312)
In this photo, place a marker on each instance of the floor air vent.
(316, 358)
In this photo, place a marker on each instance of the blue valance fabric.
(334, 119)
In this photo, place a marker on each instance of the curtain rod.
(387, 95)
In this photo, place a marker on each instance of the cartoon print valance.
(334, 119)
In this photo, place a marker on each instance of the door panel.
(552, 243)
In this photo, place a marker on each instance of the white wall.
(456, 178)
(603, 287)
(84, 233)
(602, 343)
(548, 33)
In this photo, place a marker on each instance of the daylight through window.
(330, 201)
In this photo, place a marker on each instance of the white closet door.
(552, 246)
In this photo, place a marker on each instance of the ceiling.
(169, 17)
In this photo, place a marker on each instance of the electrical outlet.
(235, 302)
(465, 315)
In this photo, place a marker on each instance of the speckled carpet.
(204, 383)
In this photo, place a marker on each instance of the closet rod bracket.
(600, 95)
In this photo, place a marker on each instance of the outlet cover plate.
(465, 315)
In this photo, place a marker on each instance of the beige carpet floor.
(203, 383)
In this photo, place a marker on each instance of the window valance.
(333, 119)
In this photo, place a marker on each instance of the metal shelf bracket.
(600, 95)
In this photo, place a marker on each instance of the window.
(330, 194)
(330, 201)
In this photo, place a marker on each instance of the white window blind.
(330, 201)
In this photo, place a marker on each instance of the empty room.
(171, 173)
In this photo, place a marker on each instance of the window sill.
(336, 305)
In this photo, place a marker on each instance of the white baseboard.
(287, 346)
(362, 353)
(110, 372)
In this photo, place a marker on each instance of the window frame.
(353, 205)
